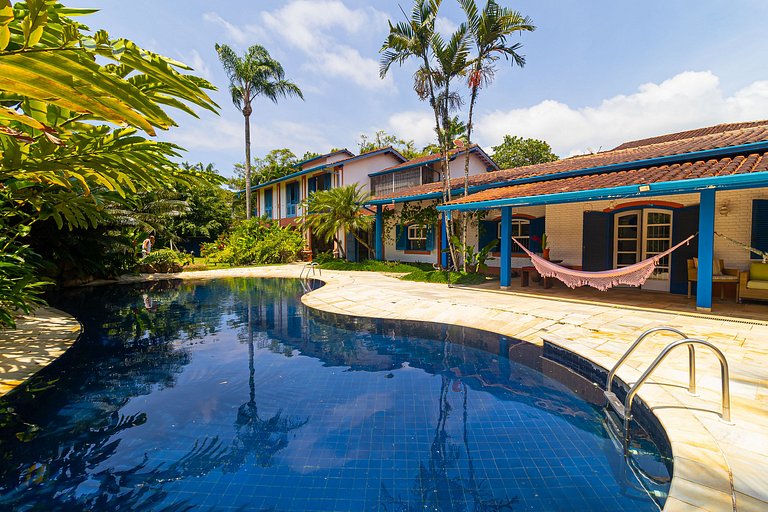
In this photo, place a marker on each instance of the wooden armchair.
(725, 275)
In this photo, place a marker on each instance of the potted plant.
(544, 247)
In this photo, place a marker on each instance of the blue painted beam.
(706, 250)
(505, 271)
(379, 233)
(733, 182)
(444, 241)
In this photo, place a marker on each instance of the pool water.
(231, 395)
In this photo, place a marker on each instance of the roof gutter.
(732, 182)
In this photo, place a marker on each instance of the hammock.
(633, 275)
(762, 254)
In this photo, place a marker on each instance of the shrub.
(163, 260)
(256, 242)
(20, 289)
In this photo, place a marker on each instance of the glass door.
(642, 234)
(627, 238)
(657, 238)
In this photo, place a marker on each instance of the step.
(616, 404)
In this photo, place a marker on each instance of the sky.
(597, 73)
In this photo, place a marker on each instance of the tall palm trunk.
(247, 116)
(445, 147)
(445, 174)
(465, 217)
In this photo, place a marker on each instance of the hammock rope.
(762, 254)
(632, 275)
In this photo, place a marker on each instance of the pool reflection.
(232, 395)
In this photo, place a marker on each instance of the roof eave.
(686, 186)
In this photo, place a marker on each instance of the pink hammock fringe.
(633, 275)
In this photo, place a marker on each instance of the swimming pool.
(231, 395)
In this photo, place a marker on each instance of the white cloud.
(196, 62)
(445, 27)
(242, 36)
(416, 125)
(686, 101)
(226, 135)
(310, 27)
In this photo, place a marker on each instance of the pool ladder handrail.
(310, 266)
(625, 410)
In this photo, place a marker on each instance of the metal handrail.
(725, 383)
(310, 266)
(691, 357)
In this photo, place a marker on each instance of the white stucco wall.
(358, 170)
(391, 253)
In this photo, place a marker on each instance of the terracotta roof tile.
(703, 139)
(658, 174)
(690, 134)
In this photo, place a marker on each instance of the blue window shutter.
(401, 237)
(759, 226)
(597, 241)
(327, 181)
(430, 238)
(684, 224)
(489, 231)
(537, 231)
(312, 185)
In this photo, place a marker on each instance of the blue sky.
(597, 73)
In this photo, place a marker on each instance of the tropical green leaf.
(6, 17)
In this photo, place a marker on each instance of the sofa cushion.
(757, 285)
(758, 271)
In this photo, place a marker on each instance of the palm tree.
(328, 212)
(488, 30)
(256, 74)
(439, 63)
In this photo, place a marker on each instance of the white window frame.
(417, 233)
(516, 226)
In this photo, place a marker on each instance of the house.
(416, 185)
(616, 208)
(280, 198)
(383, 171)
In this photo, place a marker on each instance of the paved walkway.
(37, 340)
(718, 466)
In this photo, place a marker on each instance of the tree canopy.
(516, 152)
(382, 139)
(76, 107)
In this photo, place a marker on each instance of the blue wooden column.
(444, 240)
(706, 249)
(506, 247)
(379, 233)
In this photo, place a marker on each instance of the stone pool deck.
(718, 466)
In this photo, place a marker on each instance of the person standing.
(146, 246)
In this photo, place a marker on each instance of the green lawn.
(420, 272)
